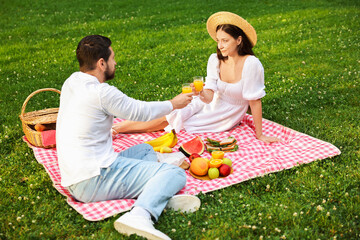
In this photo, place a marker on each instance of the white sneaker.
(184, 203)
(129, 224)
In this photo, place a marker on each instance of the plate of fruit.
(207, 169)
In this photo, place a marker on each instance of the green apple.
(213, 173)
(227, 162)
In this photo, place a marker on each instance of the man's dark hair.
(90, 49)
(245, 47)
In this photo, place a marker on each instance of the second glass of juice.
(198, 83)
(186, 88)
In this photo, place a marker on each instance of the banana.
(157, 149)
(163, 149)
(175, 139)
(166, 140)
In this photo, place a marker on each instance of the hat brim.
(220, 18)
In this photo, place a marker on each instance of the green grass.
(310, 52)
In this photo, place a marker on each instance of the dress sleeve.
(212, 73)
(254, 87)
(116, 103)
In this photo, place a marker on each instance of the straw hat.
(230, 18)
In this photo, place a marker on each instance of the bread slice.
(224, 149)
(227, 141)
(225, 145)
(212, 148)
(230, 145)
(229, 148)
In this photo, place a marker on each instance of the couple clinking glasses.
(90, 168)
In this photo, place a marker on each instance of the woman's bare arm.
(256, 110)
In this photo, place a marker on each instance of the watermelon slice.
(195, 145)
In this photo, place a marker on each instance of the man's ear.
(101, 64)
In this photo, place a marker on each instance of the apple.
(193, 156)
(213, 173)
(224, 170)
(227, 161)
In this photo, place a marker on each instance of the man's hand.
(181, 100)
(113, 131)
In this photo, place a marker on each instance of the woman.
(235, 81)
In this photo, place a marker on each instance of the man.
(90, 168)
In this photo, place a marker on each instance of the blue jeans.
(134, 174)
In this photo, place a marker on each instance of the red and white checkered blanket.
(253, 158)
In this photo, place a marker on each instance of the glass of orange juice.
(198, 83)
(186, 88)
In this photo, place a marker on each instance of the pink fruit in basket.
(224, 170)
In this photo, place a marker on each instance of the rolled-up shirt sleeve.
(116, 103)
(212, 73)
(254, 87)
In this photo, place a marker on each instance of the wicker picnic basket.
(46, 117)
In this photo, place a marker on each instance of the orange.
(215, 163)
(199, 166)
(218, 154)
(210, 160)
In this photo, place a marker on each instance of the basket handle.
(32, 94)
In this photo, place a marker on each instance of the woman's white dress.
(230, 102)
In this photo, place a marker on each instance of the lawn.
(310, 52)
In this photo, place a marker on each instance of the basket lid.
(44, 116)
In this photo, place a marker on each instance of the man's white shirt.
(83, 129)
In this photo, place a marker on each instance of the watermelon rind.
(181, 149)
(196, 145)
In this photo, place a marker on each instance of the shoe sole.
(127, 230)
(184, 203)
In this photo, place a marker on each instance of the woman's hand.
(267, 139)
(196, 93)
(256, 110)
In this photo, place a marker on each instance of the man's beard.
(109, 75)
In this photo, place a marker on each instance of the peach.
(199, 166)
